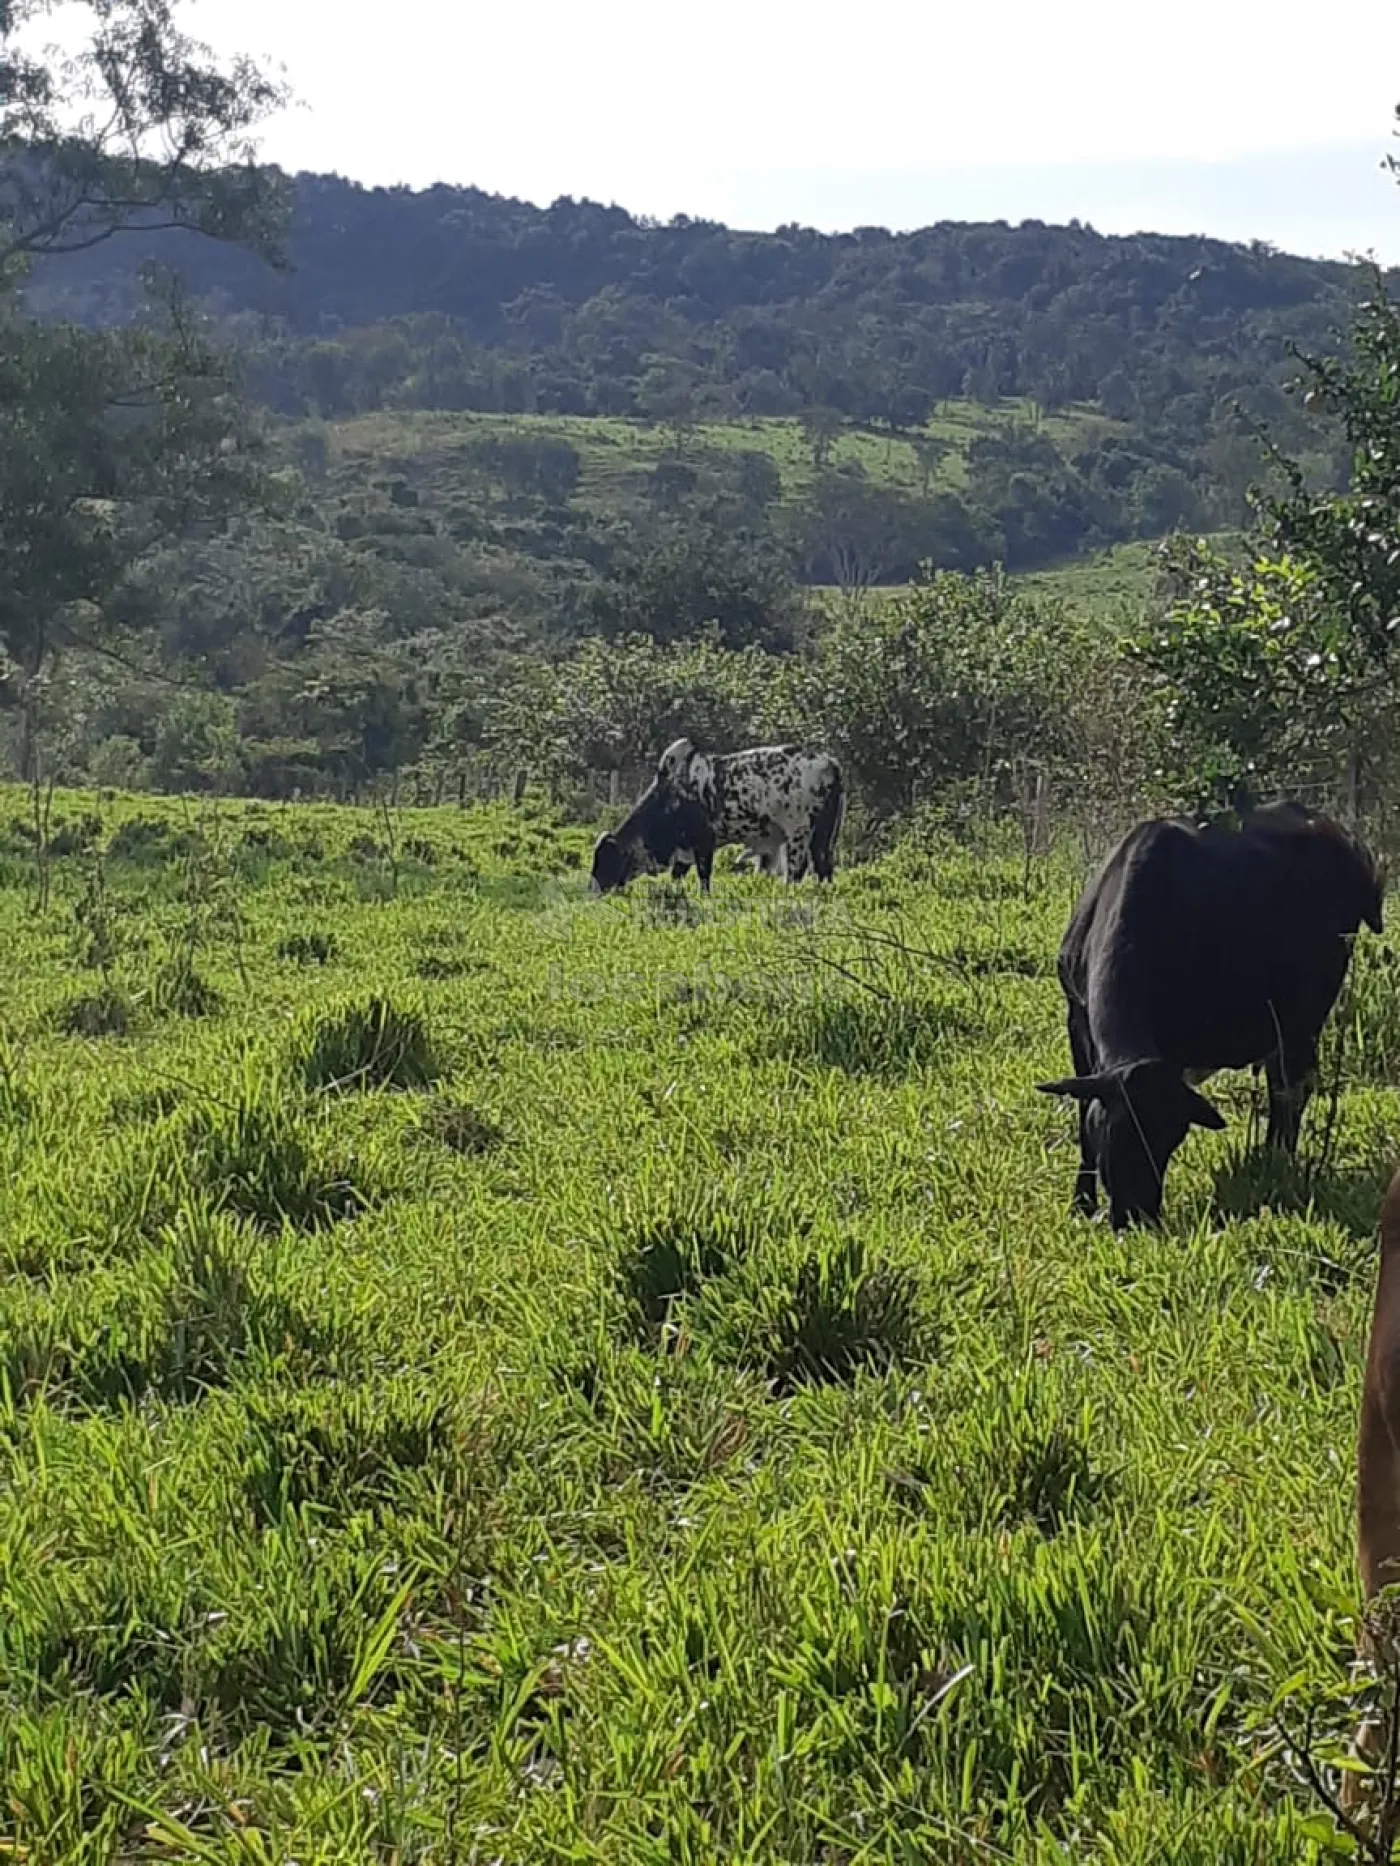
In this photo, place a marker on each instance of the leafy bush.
(1259, 694)
(957, 679)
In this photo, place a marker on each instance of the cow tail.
(826, 827)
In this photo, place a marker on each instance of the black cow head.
(666, 818)
(614, 864)
(1135, 1118)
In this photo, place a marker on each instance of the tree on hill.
(820, 427)
(113, 438)
(142, 130)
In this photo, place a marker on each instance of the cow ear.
(1202, 1113)
(1081, 1088)
(673, 765)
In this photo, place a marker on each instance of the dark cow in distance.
(783, 804)
(1195, 949)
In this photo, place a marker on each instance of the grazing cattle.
(1196, 949)
(784, 805)
(1378, 1475)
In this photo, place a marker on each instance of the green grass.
(1121, 580)
(617, 455)
(1115, 585)
(523, 1377)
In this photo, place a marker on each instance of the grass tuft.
(833, 1314)
(668, 1264)
(185, 1319)
(872, 1036)
(338, 1450)
(434, 967)
(460, 1128)
(313, 948)
(256, 1159)
(106, 1012)
(1033, 1460)
(181, 990)
(372, 1044)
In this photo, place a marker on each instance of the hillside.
(454, 299)
(508, 441)
(870, 323)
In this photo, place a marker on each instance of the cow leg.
(1086, 1180)
(1291, 1074)
(797, 857)
(704, 853)
(679, 870)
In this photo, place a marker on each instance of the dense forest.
(452, 298)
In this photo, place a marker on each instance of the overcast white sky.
(1243, 118)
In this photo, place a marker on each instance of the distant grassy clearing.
(614, 454)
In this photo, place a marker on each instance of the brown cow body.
(1378, 1439)
(1378, 1472)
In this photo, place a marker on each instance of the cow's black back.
(1202, 948)
(1197, 944)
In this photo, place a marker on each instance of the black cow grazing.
(784, 805)
(1197, 949)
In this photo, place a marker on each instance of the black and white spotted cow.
(783, 805)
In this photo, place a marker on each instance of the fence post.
(1042, 813)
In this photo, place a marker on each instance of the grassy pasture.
(488, 1374)
(616, 456)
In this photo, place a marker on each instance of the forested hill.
(453, 298)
